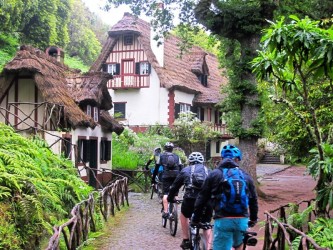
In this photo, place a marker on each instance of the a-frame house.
(152, 84)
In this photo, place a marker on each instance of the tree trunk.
(250, 107)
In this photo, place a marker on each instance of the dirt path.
(140, 227)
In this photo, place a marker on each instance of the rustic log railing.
(279, 235)
(75, 230)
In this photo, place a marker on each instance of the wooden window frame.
(115, 104)
(128, 39)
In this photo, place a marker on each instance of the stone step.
(269, 158)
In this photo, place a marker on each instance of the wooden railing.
(279, 235)
(75, 230)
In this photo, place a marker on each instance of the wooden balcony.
(129, 82)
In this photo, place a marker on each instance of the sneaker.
(186, 244)
(165, 215)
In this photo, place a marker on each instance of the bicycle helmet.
(157, 151)
(196, 157)
(168, 146)
(231, 152)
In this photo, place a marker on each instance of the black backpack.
(169, 161)
(197, 177)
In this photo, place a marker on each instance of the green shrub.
(321, 230)
(38, 189)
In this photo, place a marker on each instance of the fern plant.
(37, 189)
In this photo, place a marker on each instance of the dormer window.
(93, 112)
(142, 68)
(203, 79)
(96, 114)
(128, 39)
(88, 110)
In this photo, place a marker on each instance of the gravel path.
(141, 228)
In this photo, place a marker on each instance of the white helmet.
(196, 157)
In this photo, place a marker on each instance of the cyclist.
(228, 226)
(172, 165)
(185, 177)
(155, 157)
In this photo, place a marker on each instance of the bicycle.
(157, 188)
(172, 217)
(249, 239)
(197, 240)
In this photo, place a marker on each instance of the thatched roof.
(178, 72)
(61, 85)
(109, 123)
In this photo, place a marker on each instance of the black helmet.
(168, 146)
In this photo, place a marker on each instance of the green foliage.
(324, 167)
(8, 45)
(76, 63)
(322, 232)
(296, 59)
(43, 23)
(298, 219)
(83, 41)
(194, 36)
(37, 189)
(130, 150)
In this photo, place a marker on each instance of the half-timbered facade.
(152, 84)
(40, 95)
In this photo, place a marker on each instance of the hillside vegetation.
(43, 23)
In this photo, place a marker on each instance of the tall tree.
(297, 57)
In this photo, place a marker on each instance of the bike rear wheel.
(197, 240)
(159, 192)
(173, 218)
(152, 191)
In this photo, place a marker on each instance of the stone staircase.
(270, 158)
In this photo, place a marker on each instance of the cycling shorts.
(188, 207)
(167, 182)
(228, 232)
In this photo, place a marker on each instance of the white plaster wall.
(183, 97)
(145, 106)
(52, 136)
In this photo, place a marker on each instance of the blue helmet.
(231, 152)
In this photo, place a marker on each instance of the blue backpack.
(234, 197)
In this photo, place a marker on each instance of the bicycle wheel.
(152, 191)
(202, 243)
(164, 220)
(195, 239)
(173, 219)
(159, 193)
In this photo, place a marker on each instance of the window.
(217, 147)
(105, 150)
(96, 114)
(128, 39)
(111, 68)
(201, 113)
(142, 68)
(119, 109)
(185, 107)
(88, 110)
(203, 79)
(83, 150)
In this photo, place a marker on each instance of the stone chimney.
(157, 46)
(56, 52)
